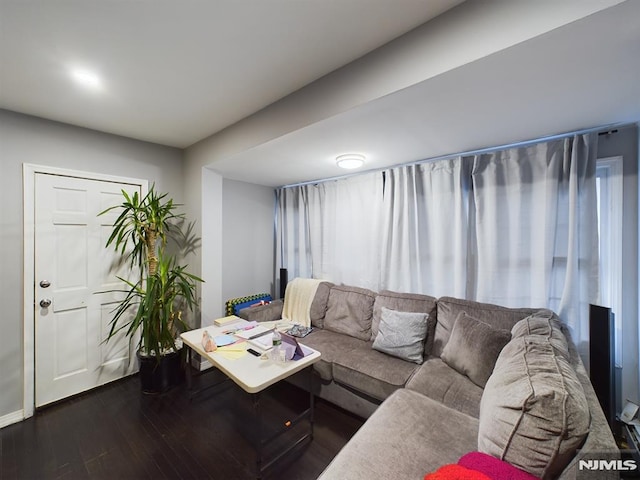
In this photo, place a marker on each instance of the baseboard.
(11, 418)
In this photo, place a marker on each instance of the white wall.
(248, 239)
(211, 265)
(25, 139)
(237, 230)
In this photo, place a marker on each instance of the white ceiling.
(176, 71)
(582, 75)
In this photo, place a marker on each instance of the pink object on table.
(207, 342)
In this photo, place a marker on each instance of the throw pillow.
(449, 308)
(349, 311)
(402, 334)
(401, 302)
(544, 323)
(319, 304)
(534, 412)
(473, 348)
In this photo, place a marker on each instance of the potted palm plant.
(154, 302)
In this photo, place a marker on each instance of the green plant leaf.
(153, 305)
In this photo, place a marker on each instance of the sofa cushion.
(373, 373)
(401, 334)
(599, 444)
(449, 308)
(349, 311)
(405, 302)
(439, 381)
(473, 348)
(545, 323)
(533, 412)
(319, 304)
(331, 345)
(406, 437)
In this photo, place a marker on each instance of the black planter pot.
(158, 377)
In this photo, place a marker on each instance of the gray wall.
(248, 239)
(25, 139)
(625, 143)
(235, 222)
(246, 213)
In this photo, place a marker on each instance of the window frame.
(610, 180)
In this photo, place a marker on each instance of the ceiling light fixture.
(350, 160)
(86, 78)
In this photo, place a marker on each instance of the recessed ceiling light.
(86, 78)
(350, 160)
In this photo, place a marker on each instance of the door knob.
(45, 283)
(45, 302)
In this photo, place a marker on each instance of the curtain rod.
(602, 130)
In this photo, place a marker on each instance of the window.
(609, 191)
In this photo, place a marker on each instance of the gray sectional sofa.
(438, 378)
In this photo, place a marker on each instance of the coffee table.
(254, 375)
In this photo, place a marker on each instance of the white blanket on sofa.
(298, 297)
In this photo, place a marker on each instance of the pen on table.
(261, 334)
(238, 329)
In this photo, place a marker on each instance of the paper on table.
(264, 342)
(239, 327)
(232, 355)
(222, 340)
(254, 332)
(233, 352)
(226, 320)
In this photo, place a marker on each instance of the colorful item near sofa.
(234, 305)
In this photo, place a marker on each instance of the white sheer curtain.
(425, 228)
(516, 209)
(345, 230)
(293, 247)
(516, 227)
(581, 276)
(536, 229)
(331, 230)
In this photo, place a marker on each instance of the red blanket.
(494, 468)
(456, 472)
(479, 466)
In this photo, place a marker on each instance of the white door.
(71, 266)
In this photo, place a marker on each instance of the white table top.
(251, 373)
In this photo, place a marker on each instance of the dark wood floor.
(115, 432)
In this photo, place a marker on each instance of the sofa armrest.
(263, 313)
